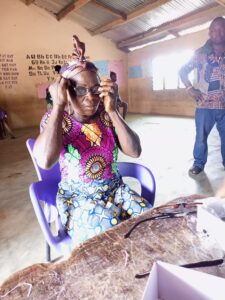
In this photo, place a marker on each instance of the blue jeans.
(205, 119)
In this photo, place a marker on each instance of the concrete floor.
(167, 144)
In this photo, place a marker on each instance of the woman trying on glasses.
(84, 132)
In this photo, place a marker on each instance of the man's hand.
(196, 94)
(109, 94)
(58, 91)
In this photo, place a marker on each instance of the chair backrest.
(46, 189)
(143, 175)
(140, 172)
(53, 173)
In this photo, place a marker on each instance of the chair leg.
(48, 249)
(48, 252)
(2, 130)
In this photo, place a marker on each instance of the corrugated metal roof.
(125, 6)
(52, 6)
(93, 17)
(165, 13)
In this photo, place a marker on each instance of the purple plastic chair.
(143, 175)
(53, 173)
(46, 189)
(43, 198)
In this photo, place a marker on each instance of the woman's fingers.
(108, 93)
(63, 82)
(58, 90)
(106, 81)
(107, 85)
(108, 89)
(58, 79)
(104, 94)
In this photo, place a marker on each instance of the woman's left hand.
(129, 141)
(109, 93)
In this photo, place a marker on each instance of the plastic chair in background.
(5, 129)
(45, 190)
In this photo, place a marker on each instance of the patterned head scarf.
(79, 62)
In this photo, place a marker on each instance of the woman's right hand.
(196, 94)
(58, 91)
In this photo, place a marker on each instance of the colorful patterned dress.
(92, 196)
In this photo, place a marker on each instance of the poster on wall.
(8, 71)
(102, 66)
(117, 66)
(42, 90)
(135, 72)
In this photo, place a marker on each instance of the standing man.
(208, 92)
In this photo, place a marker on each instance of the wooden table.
(104, 267)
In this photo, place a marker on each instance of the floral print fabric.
(92, 196)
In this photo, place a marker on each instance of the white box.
(210, 217)
(170, 282)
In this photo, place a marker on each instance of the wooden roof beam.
(111, 10)
(65, 10)
(81, 3)
(221, 2)
(174, 33)
(28, 2)
(131, 16)
(202, 15)
(72, 6)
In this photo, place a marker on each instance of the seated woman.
(84, 131)
(4, 126)
(120, 103)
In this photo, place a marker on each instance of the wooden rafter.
(111, 10)
(65, 10)
(133, 15)
(80, 3)
(28, 2)
(72, 6)
(174, 32)
(198, 17)
(221, 2)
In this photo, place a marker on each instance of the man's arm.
(184, 76)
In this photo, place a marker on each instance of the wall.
(142, 98)
(32, 42)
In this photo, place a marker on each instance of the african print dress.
(92, 196)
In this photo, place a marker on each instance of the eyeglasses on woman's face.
(83, 91)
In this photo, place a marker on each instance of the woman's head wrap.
(79, 62)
